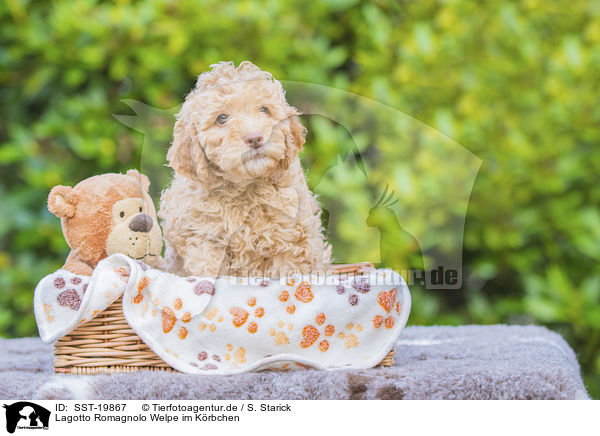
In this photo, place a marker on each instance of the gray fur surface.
(469, 362)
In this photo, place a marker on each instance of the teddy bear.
(107, 214)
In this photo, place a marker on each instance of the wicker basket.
(106, 344)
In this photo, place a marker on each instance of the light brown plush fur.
(93, 226)
(233, 209)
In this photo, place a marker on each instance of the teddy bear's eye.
(265, 110)
(122, 214)
(140, 208)
(222, 119)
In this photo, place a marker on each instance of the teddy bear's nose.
(141, 223)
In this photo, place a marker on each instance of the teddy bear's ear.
(141, 178)
(62, 201)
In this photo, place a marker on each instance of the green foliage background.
(513, 82)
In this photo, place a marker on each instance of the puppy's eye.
(140, 208)
(265, 110)
(222, 119)
(122, 214)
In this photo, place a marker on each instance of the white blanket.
(226, 326)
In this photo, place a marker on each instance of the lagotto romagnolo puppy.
(238, 203)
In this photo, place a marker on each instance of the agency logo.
(26, 415)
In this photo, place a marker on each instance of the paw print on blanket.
(69, 298)
(239, 355)
(122, 272)
(303, 294)
(72, 295)
(168, 322)
(351, 338)
(142, 285)
(311, 333)
(359, 285)
(212, 314)
(241, 315)
(387, 301)
(212, 361)
(280, 336)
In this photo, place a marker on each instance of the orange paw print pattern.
(398, 308)
(284, 296)
(377, 321)
(186, 317)
(329, 330)
(123, 272)
(387, 299)
(290, 281)
(389, 322)
(240, 316)
(304, 293)
(168, 319)
(182, 333)
(320, 319)
(351, 341)
(309, 336)
(290, 309)
(240, 355)
(177, 304)
(310, 333)
(281, 339)
(323, 346)
(212, 313)
(138, 298)
(143, 284)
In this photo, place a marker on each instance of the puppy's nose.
(141, 223)
(254, 139)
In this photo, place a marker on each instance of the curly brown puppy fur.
(239, 203)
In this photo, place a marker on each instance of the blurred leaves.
(513, 82)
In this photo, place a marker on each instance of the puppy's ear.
(298, 131)
(181, 154)
(141, 178)
(294, 139)
(62, 201)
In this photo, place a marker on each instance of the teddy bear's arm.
(75, 265)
